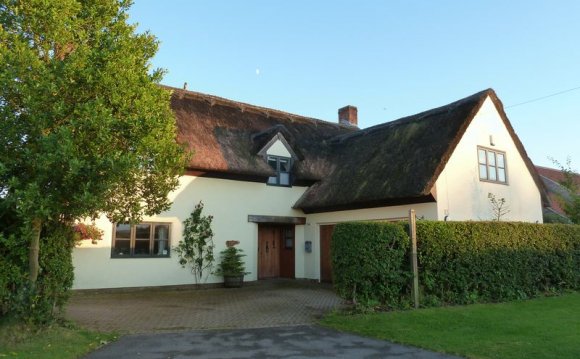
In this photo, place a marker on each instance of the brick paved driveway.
(265, 304)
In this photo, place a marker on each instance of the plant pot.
(234, 281)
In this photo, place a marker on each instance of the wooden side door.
(325, 260)
(268, 252)
(287, 250)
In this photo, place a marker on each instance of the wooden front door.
(325, 260)
(287, 252)
(268, 252)
(275, 251)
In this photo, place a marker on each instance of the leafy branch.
(571, 201)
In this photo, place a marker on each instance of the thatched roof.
(226, 137)
(398, 162)
(393, 163)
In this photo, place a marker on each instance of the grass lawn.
(539, 328)
(58, 342)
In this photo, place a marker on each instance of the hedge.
(36, 304)
(459, 262)
(367, 261)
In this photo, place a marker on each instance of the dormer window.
(282, 167)
(279, 155)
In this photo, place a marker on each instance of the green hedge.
(12, 273)
(459, 262)
(17, 298)
(366, 262)
(468, 262)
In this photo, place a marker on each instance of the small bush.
(231, 263)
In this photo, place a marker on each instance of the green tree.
(85, 127)
(571, 200)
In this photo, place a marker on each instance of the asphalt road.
(281, 342)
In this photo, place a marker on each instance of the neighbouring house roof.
(555, 175)
(556, 192)
(393, 163)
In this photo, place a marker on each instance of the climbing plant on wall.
(195, 249)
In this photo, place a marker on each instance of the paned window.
(282, 167)
(140, 240)
(492, 165)
(288, 238)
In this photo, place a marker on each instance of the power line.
(544, 97)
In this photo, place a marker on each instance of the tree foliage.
(571, 204)
(196, 247)
(85, 127)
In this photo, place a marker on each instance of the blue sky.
(389, 58)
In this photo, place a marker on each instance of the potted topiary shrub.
(232, 267)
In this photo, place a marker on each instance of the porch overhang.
(276, 219)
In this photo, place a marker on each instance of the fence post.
(414, 265)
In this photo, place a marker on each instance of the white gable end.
(278, 149)
(461, 195)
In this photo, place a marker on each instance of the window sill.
(494, 182)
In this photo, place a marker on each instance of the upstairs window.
(140, 240)
(282, 167)
(492, 165)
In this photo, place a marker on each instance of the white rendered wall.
(314, 221)
(463, 196)
(459, 191)
(230, 202)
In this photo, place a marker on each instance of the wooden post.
(414, 265)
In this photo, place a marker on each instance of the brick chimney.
(348, 115)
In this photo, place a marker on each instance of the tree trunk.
(34, 250)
